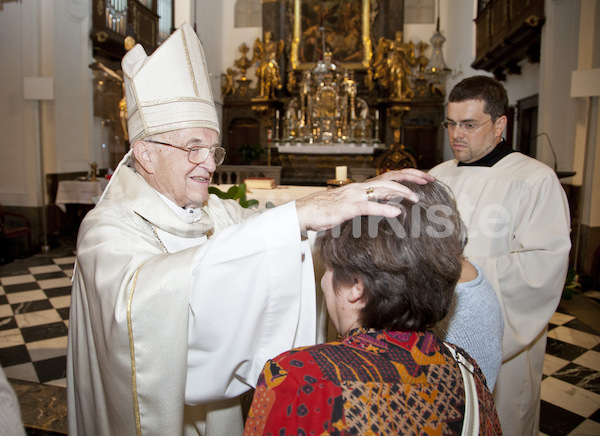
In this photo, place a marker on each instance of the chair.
(12, 232)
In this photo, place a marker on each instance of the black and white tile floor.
(34, 311)
(571, 376)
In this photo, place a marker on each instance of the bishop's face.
(174, 176)
(471, 144)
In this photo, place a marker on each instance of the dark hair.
(486, 89)
(408, 265)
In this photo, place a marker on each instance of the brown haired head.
(483, 88)
(408, 265)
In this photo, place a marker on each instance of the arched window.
(419, 11)
(248, 13)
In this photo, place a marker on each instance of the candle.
(341, 173)
(376, 114)
(277, 114)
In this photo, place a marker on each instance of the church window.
(419, 11)
(248, 13)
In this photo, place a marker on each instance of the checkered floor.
(571, 380)
(34, 317)
(34, 311)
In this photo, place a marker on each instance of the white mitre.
(170, 89)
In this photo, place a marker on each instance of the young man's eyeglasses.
(467, 127)
(198, 153)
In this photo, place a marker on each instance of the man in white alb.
(518, 219)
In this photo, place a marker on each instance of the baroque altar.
(336, 84)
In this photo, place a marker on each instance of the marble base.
(43, 407)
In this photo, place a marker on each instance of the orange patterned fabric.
(371, 383)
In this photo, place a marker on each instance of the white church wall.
(19, 161)
(44, 39)
(586, 138)
(558, 58)
(71, 54)
(184, 10)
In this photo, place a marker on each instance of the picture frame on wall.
(342, 27)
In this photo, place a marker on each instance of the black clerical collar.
(492, 158)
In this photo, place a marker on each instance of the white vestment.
(518, 220)
(157, 328)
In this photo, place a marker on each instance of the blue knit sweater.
(476, 324)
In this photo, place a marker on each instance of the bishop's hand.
(325, 209)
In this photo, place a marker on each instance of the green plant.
(236, 192)
(251, 153)
(572, 285)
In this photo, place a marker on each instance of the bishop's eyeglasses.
(467, 127)
(197, 152)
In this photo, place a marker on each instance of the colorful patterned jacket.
(370, 383)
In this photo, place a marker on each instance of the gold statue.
(267, 70)
(129, 43)
(291, 80)
(422, 60)
(370, 80)
(227, 85)
(393, 65)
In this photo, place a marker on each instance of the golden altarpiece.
(335, 84)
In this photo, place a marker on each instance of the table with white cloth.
(277, 196)
(79, 192)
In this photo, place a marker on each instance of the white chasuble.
(152, 328)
